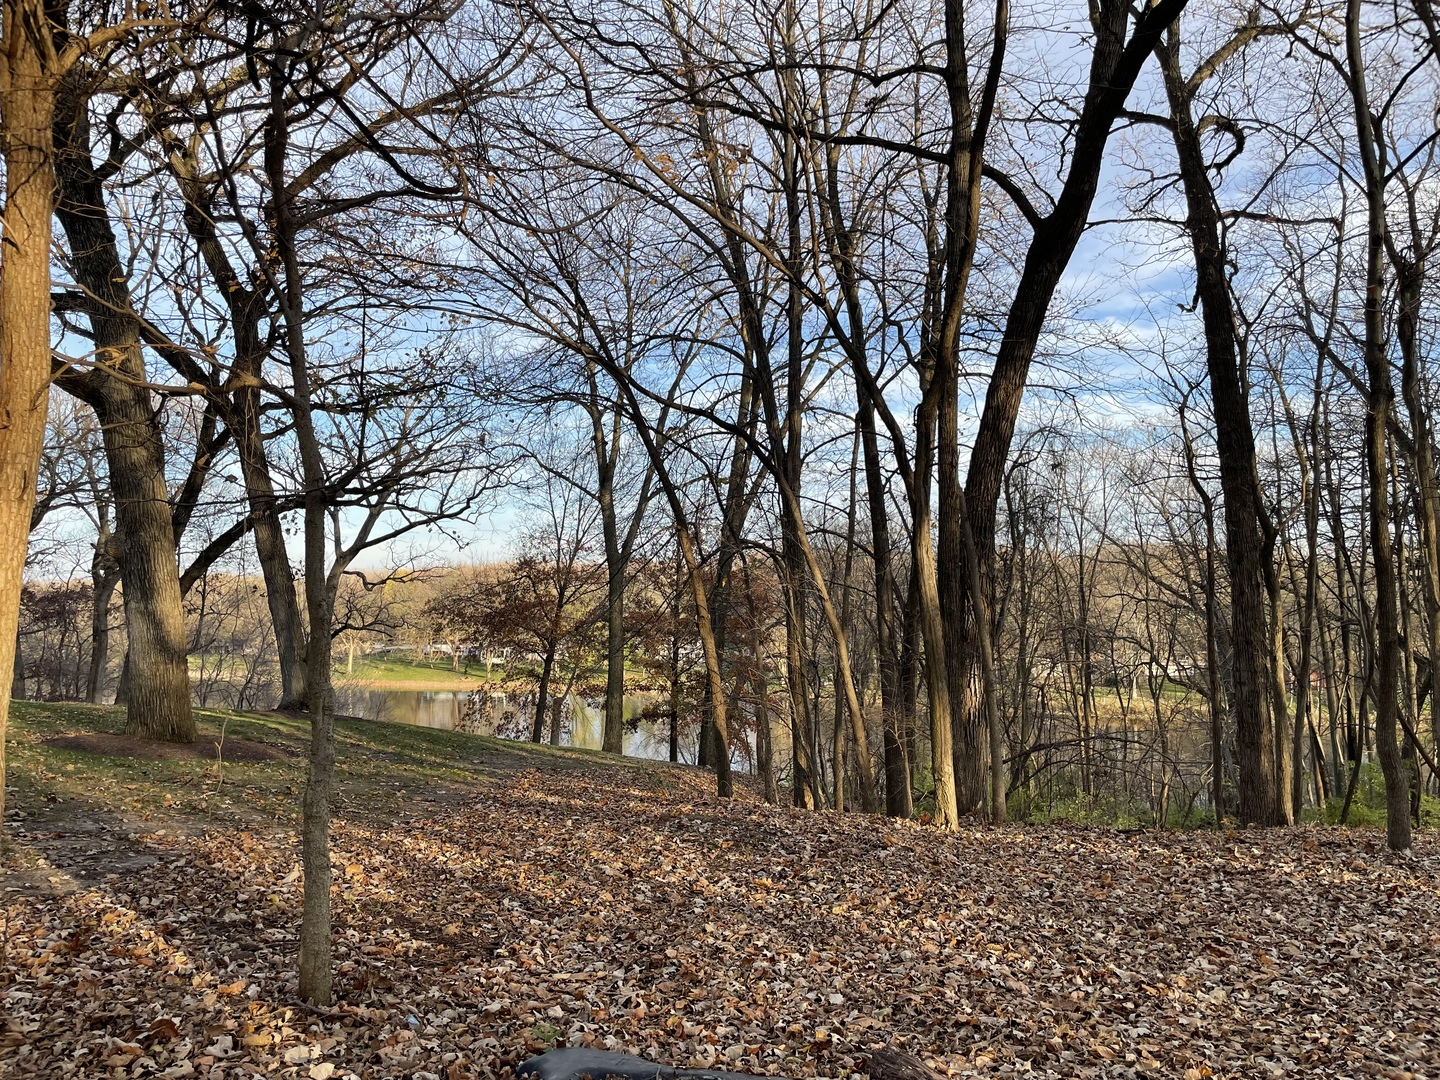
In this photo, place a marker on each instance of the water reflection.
(582, 722)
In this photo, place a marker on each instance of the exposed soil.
(204, 748)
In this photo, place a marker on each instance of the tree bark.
(897, 769)
(238, 400)
(27, 107)
(104, 585)
(316, 939)
(542, 694)
(1380, 401)
(607, 452)
(1235, 444)
(1115, 64)
(158, 699)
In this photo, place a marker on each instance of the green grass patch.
(383, 770)
(402, 672)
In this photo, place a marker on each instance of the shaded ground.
(214, 748)
(584, 904)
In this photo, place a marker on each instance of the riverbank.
(392, 672)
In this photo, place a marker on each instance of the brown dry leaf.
(734, 935)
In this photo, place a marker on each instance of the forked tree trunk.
(1115, 64)
(240, 408)
(158, 687)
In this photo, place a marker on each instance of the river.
(498, 714)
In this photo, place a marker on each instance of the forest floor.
(494, 900)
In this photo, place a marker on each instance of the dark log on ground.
(575, 1063)
(891, 1063)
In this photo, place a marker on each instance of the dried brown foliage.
(627, 910)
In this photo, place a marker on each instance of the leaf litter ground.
(626, 909)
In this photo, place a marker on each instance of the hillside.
(494, 900)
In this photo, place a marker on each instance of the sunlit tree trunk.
(27, 105)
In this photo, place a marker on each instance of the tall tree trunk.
(675, 671)
(1115, 64)
(607, 452)
(157, 704)
(802, 793)
(942, 758)
(1410, 278)
(100, 633)
(1279, 705)
(995, 734)
(887, 634)
(1380, 401)
(1260, 801)
(724, 781)
(27, 106)
(316, 984)
(158, 699)
(240, 408)
(764, 744)
(613, 739)
(272, 554)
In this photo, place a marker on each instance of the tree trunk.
(614, 730)
(1410, 277)
(1380, 401)
(675, 674)
(316, 939)
(1279, 705)
(157, 705)
(270, 549)
(764, 747)
(801, 765)
(158, 700)
(240, 409)
(995, 733)
(613, 737)
(724, 784)
(537, 725)
(1260, 801)
(1115, 64)
(100, 633)
(27, 105)
(845, 684)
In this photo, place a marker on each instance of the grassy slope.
(382, 767)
